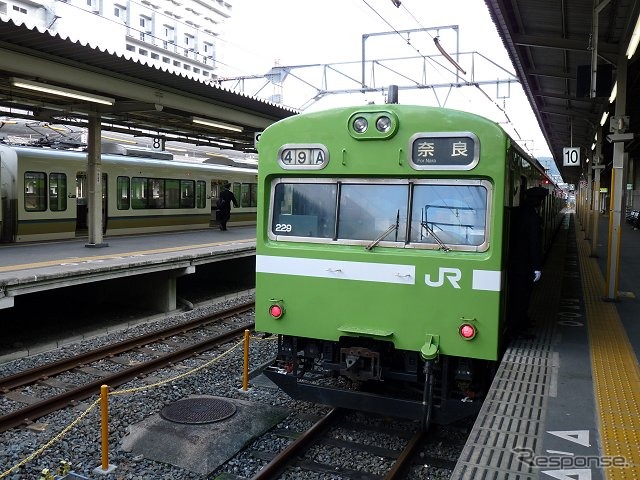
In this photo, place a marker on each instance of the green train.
(381, 255)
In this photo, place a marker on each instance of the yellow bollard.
(104, 407)
(245, 376)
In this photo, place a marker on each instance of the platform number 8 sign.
(571, 157)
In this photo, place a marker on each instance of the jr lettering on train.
(453, 275)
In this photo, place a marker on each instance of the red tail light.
(276, 310)
(467, 331)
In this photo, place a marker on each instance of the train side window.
(304, 210)
(236, 188)
(253, 193)
(35, 191)
(57, 192)
(139, 193)
(201, 194)
(171, 193)
(187, 193)
(245, 195)
(123, 184)
(156, 193)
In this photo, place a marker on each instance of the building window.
(120, 12)
(131, 48)
(169, 33)
(3, 7)
(186, 67)
(176, 63)
(18, 9)
(155, 56)
(146, 24)
(143, 52)
(166, 59)
(189, 41)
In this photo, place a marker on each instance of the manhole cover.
(198, 410)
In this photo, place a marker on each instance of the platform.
(35, 267)
(566, 404)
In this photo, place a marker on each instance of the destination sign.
(300, 156)
(444, 151)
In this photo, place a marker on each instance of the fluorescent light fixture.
(635, 38)
(593, 147)
(222, 144)
(121, 140)
(603, 120)
(614, 92)
(216, 124)
(63, 92)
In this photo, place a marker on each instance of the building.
(174, 35)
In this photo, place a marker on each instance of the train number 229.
(283, 227)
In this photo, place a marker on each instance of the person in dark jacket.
(525, 260)
(225, 199)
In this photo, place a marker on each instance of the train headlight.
(467, 331)
(276, 310)
(360, 124)
(383, 124)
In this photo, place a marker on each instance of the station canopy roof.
(131, 97)
(550, 44)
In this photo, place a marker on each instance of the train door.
(82, 206)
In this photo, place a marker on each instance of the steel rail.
(32, 375)
(37, 410)
(399, 467)
(281, 460)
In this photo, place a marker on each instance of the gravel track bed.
(81, 444)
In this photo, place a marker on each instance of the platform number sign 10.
(571, 157)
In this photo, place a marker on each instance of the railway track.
(49, 375)
(392, 448)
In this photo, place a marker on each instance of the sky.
(261, 34)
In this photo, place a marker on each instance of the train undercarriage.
(371, 375)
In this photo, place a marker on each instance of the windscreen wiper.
(394, 226)
(435, 237)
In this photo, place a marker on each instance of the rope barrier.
(123, 392)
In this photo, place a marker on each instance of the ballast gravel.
(81, 445)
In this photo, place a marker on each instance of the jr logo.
(451, 274)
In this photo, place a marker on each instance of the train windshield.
(434, 214)
(451, 214)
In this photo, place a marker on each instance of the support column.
(596, 209)
(589, 207)
(618, 126)
(94, 179)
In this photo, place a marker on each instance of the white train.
(44, 194)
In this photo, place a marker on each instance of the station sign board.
(571, 157)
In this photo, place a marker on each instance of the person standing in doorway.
(225, 199)
(525, 260)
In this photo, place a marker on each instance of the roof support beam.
(607, 51)
(76, 77)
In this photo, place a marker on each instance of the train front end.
(379, 256)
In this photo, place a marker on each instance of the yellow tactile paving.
(616, 374)
(63, 261)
